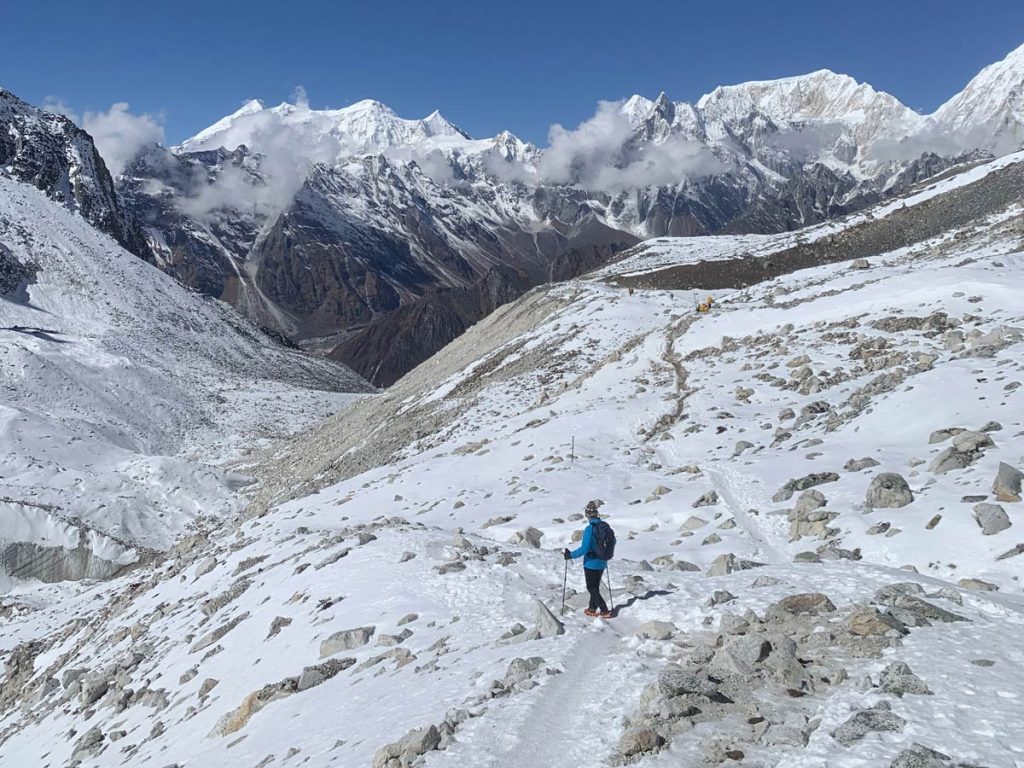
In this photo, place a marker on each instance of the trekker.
(593, 566)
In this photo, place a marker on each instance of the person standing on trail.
(598, 539)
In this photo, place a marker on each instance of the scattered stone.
(346, 640)
(529, 537)
(860, 264)
(719, 597)
(919, 756)
(933, 522)
(1007, 485)
(678, 682)
(693, 523)
(977, 585)
(868, 622)
(809, 500)
(402, 753)
(707, 500)
(741, 446)
(640, 741)
(408, 619)
(547, 623)
(888, 491)
(656, 630)
(992, 426)
(728, 563)
(868, 721)
(856, 465)
(801, 484)
(279, 623)
(1012, 552)
(406, 557)
(991, 518)
(714, 538)
(806, 557)
(899, 679)
(805, 604)
(451, 567)
(942, 435)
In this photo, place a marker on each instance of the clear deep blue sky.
(486, 65)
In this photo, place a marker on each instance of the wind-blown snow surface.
(120, 387)
(229, 652)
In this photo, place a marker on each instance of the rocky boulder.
(888, 491)
(1007, 484)
(991, 518)
(346, 640)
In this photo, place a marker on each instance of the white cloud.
(120, 135)
(601, 154)
(57, 106)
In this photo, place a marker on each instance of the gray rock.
(899, 679)
(402, 753)
(860, 264)
(741, 446)
(809, 500)
(869, 622)
(640, 741)
(991, 518)
(977, 585)
(547, 623)
(969, 441)
(919, 756)
(529, 537)
(709, 499)
(949, 460)
(1007, 485)
(346, 640)
(678, 682)
(720, 597)
(856, 465)
(942, 435)
(805, 604)
(806, 557)
(520, 670)
(693, 523)
(992, 426)
(868, 721)
(728, 563)
(656, 630)
(888, 491)
(803, 483)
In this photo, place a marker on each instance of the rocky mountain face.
(54, 155)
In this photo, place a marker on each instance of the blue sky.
(487, 66)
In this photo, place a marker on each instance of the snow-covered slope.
(120, 385)
(385, 577)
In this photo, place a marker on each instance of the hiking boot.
(605, 615)
(591, 612)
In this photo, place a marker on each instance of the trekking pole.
(565, 580)
(610, 598)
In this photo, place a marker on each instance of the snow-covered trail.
(726, 481)
(572, 718)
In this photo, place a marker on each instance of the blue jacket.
(588, 543)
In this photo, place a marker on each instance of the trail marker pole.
(611, 599)
(565, 580)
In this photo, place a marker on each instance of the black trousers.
(597, 602)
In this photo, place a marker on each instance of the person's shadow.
(646, 596)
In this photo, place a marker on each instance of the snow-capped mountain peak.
(990, 108)
(365, 127)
